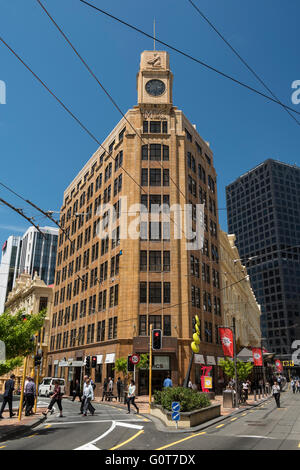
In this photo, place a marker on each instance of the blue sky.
(42, 148)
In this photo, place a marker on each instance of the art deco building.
(238, 299)
(108, 291)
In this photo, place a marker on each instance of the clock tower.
(155, 80)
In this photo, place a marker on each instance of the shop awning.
(210, 360)
(199, 359)
(110, 358)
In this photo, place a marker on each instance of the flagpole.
(235, 364)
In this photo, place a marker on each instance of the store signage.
(199, 359)
(208, 382)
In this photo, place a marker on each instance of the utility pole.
(263, 366)
(22, 388)
(235, 364)
(150, 368)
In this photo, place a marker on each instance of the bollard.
(259, 394)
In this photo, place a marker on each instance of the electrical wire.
(241, 59)
(188, 56)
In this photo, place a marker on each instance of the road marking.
(244, 414)
(48, 426)
(2, 447)
(220, 425)
(87, 447)
(128, 440)
(56, 423)
(233, 419)
(127, 425)
(181, 440)
(113, 425)
(32, 435)
(255, 437)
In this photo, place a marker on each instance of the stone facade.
(31, 296)
(238, 300)
(166, 160)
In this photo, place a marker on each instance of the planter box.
(187, 419)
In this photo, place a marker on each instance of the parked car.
(47, 386)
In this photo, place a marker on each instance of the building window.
(167, 325)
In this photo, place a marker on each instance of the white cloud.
(13, 228)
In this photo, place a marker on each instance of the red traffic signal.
(94, 361)
(156, 339)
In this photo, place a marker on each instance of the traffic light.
(88, 362)
(37, 360)
(156, 339)
(94, 361)
(130, 365)
(196, 335)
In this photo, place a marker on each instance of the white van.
(47, 386)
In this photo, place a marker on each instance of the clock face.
(155, 87)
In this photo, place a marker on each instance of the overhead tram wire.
(21, 213)
(240, 58)
(188, 56)
(101, 85)
(109, 154)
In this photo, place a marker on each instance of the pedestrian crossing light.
(196, 335)
(156, 339)
(94, 361)
(37, 360)
(130, 365)
(88, 362)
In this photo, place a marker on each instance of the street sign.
(135, 359)
(175, 416)
(176, 406)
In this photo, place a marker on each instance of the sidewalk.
(12, 427)
(143, 404)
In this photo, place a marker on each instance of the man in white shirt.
(88, 396)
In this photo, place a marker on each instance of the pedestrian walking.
(8, 396)
(131, 397)
(104, 393)
(245, 390)
(76, 390)
(298, 386)
(293, 385)
(119, 387)
(110, 388)
(276, 393)
(89, 404)
(88, 396)
(190, 384)
(56, 398)
(168, 382)
(30, 393)
(24, 396)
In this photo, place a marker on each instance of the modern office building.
(9, 262)
(32, 253)
(263, 208)
(38, 253)
(109, 290)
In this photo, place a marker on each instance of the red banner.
(278, 365)
(257, 357)
(226, 337)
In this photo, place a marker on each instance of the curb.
(161, 427)
(18, 432)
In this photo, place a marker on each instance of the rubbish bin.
(228, 399)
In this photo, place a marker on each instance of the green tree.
(144, 362)
(244, 369)
(17, 335)
(121, 365)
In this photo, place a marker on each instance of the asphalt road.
(261, 428)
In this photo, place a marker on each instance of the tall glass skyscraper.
(30, 253)
(263, 208)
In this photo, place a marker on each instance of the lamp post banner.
(257, 356)
(226, 336)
